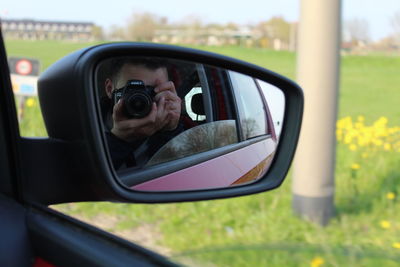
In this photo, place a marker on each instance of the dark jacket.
(135, 154)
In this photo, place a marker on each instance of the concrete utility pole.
(318, 74)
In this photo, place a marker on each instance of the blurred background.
(259, 230)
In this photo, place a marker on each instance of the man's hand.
(130, 130)
(164, 116)
(172, 104)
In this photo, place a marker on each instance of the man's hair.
(149, 63)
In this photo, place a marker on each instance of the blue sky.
(117, 12)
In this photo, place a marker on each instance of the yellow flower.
(383, 120)
(353, 147)
(387, 147)
(358, 125)
(396, 245)
(377, 136)
(385, 224)
(355, 166)
(364, 155)
(339, 134)
(30, 102)
(378, 142)
(317, 261)
(390, 195)
(347, 139)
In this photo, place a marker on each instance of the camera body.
(138, 98)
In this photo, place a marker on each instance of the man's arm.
(173, 104)
(120, 151)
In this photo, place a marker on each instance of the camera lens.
(138, 105)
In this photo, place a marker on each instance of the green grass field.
(260, 230)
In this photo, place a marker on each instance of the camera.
(138, 98)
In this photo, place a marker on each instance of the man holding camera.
(140, 84)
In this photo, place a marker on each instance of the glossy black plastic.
(77, 166)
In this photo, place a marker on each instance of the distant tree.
(275, 32)
(280, 28)
(388, 43)
(250, 127)
(117, 33)
(275, 28)
(164, 22)
(214, 26)
(192, 22)
(97, 32)
(232, 26)
(143, 26)
(356, 31)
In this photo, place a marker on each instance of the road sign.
(24, 75)
(24, 85)
(24, 66)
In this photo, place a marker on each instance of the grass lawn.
(261, 230)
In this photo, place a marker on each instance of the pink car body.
(230, 169)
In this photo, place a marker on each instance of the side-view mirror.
(159, 123)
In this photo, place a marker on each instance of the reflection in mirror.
(191, 141)
(177, 125)
(276, 104)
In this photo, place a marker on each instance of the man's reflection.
(132, 140)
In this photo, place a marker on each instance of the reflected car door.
(251, 122)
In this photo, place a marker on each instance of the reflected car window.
(253, 117)
(276, 104)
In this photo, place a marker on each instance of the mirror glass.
(173, 125)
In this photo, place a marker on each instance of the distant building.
(27, 29)
(205, 36)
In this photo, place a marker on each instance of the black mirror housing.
(83, 171)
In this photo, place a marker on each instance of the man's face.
(137, 72)
(165, 111)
